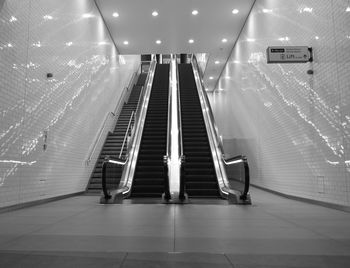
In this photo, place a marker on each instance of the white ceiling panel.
(175, 25)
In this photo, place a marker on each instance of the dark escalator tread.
(149, 174)
(200, 176)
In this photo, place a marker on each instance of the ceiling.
(175, 25)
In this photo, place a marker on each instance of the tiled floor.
(79, 232)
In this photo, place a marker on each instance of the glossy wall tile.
(47, 124)
(294, 127)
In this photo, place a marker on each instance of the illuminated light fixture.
(195, 12)
(12, 19)
(126, 43)
(235, 11)
(207, 89)
(38, 44)
(47, 17)
(347, 9)
(217, 62)
(224, 40)
(155, 13)
(87, 15)
(191, 41)
(102, 43)
(158, 42)
(115, 14)
(236, 61)
(251, 40)
(284, 38)
(306, 9)
(317, 37)
(9, 45)
(68, 44)
(265, 10)
(211, 78)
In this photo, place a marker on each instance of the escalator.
(149, 177)
(114, 141)
(199, 171)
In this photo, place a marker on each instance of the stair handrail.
(126, 134)
(115, 114)
(237, 160)
(182, 157)
(113, 160)
(139, 115)
(120, 160)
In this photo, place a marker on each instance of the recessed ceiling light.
(68, 44)
(155, 13)
(224, 40)
(347, 9)
(211, 78)
(88, 15)
(115, 14)
(265, 10)
(195, 12)
(158, 42)
(126, 42)
(235, 11)
(217, 62)
(191, 41)
(47, 17)
(12, 19)
(251, 40)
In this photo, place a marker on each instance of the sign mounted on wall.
(289, 54)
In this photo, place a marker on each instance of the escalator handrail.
(237, 160)
(215, 132)
(140, 115)
(180, 141)
(166, 157)
(215, 146)
(210, 111)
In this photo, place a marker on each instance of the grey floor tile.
(186, 260)
(90, 243)
(261, 246)
(297, 261)
(62, 259)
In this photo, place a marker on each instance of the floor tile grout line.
(229, 261)
(41, 228)
(124, 259)
(305, 228)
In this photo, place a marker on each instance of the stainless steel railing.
(114, 115)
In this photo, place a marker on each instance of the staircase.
(114, 141)
(200, 177)
(149, 174)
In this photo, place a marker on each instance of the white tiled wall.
(294, 127)
(68, 39)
